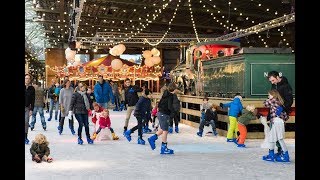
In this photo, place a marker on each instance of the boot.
(152, 141)
(284, 158)
(94, 136)
(141, 141)
(114, 136)
(90, 141)
(26, 141)
(170, 130)
(200, 133)
(147, 129)
(215, 133)
(72, 130)
(231, 140)
(80, 141)
(127, 134)
(124, 129)
(165, 150)
(176, 129)
(60, 128)
(241, 145)
(269, 157)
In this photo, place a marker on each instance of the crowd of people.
(84, 104)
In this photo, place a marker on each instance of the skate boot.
(124, 129)
(284, 158)
(94, 136)
(141, 141)
(80, 141)
(90, 141)
(26, 141)
(152, 141)
(176, 129)
(241, 145)
(200, 133)
(215, 133)
(72, 130)
(127, 134)
(60, 128)
(114, 136)
(147, 129)
(165, 150)
(231, 140)
(269, 157)
(170, 130)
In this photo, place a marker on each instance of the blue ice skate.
(127, 134)
(170, 130)
(141, 141)
(152, 141)
(269, 157)
(89, 140)
(80, 141)
(283, 158)
(165, 150)
(176, 129)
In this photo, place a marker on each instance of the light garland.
(173, 17)
(193, 23)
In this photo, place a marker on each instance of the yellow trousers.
(233, 128)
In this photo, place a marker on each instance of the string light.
(192, 20)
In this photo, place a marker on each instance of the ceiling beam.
(142, 4)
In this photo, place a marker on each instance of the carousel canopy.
(106, 60)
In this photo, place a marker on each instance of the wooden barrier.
(222, 115)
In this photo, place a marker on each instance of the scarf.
(86, 101)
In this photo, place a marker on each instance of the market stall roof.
(106, 60)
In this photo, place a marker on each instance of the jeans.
(34, 114)
(83, 121)
(26, 119)
(55, 105)
(176, 120)
(117, 102)
(104, 105)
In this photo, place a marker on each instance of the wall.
(53, 57)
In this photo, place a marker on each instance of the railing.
(186, 113)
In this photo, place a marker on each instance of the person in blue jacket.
(235, 108)
(103, 92)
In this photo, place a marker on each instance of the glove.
(131, 90)
(221, 105)
(70, 114)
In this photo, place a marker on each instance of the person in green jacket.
(248, 114)
(40, 150)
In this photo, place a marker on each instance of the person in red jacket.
(104, 122)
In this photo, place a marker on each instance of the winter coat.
(285, 91)
(103, 92)
(29, 94)
(39, 97)
(235, 107)
(246, 116)
(165, 104)
(143, 107)
(77, 104)
(51, 92)
(104, 122)
(131, 95)
(39, 149)
(154, 111)
(211, 115)
(176, 104)
(65, 100)
(94, 118)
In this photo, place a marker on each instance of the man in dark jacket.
(281, 84)
(165, 113)
(29, 93)
(131, 99)
(143, 106)
(176, 107)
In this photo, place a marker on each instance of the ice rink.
(195, 158)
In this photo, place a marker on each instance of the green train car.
(246, 72)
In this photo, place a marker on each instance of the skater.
(176, 108)
(40, 150)
(90, 96)
(143, 105)
(154, 114)
(103, 92)
(247, 115)
(54, 100)
(104, 122)
(65, 101)
(116, 94)
(38, 106)
(205, 106)
(96, 109)
(235, 108)
(79, 107)
(165, 113)
(210, 118)
(29, 93)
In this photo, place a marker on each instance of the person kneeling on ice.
(40, 150)
(277, 134)
(96, 109)
(141, 111)
(247, 115)
(104, 122)
(164, 114)
(210, 118)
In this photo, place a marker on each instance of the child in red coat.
(96, 109)
(104, 122)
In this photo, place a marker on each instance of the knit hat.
(279, 110)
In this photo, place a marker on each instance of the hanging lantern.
(155, 52)
(121, 48)
(148, 62)
(155, 59)
(116, 64)
(70, 56)
(78, 44)
(146, 54)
